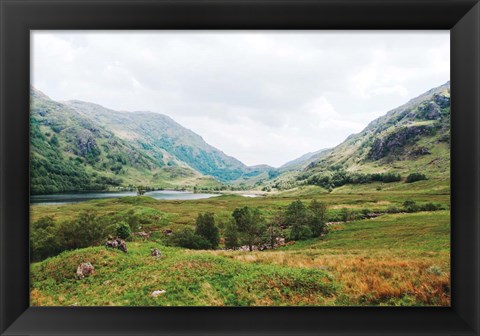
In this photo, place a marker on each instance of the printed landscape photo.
(247, 168)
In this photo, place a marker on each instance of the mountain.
(167, 141)
(71, 152)
(414, 137)
(303, 160)
(77, 145)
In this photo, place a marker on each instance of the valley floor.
(394, 259)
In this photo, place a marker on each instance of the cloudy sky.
(262, 97)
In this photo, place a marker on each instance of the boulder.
(122, 245)
(157, 293)
(85, 269)
(111, 244)
(156, 253)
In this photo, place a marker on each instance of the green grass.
(184, 212)
(383, 261)
(188, 279)
(393, 260)
(422, 231)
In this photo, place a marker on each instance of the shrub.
(435, 270)
(188, 239)
(340, 177)
(430, 207)
(364, 213)
(414, 177)
(392, 210)
(48, 238)
(131, 218)
(346, 215)
(390, 177)
(410, 206)
(123, 230)
(300, 232)
(206, 228)
(43, 239)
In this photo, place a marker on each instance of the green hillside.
(70, 152)
(366, 223)
(304, 160)
(413, 138)
(391, 260)
(95, 148)
(168, 141)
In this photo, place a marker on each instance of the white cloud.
(261, 96)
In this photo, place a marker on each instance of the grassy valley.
(394, 259)
(364, 223)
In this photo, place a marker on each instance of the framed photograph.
(267, 167)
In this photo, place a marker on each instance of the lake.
(86, 196)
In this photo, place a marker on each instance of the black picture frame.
(18, 17)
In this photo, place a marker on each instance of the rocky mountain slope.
(414, 137)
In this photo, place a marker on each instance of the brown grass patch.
(370, 279)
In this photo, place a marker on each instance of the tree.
(140, 191)
(317, 217)
(188, 239)
(274, 228)
(302, 232)
(231, 235)
(296, 218)
(250, 224)
(206, 228)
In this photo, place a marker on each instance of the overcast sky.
(262, 97)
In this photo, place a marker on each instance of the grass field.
(394, 259)
(184, 212)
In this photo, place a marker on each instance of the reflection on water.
(251, 195)
(81, 197)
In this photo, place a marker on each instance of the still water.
(81, 197)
